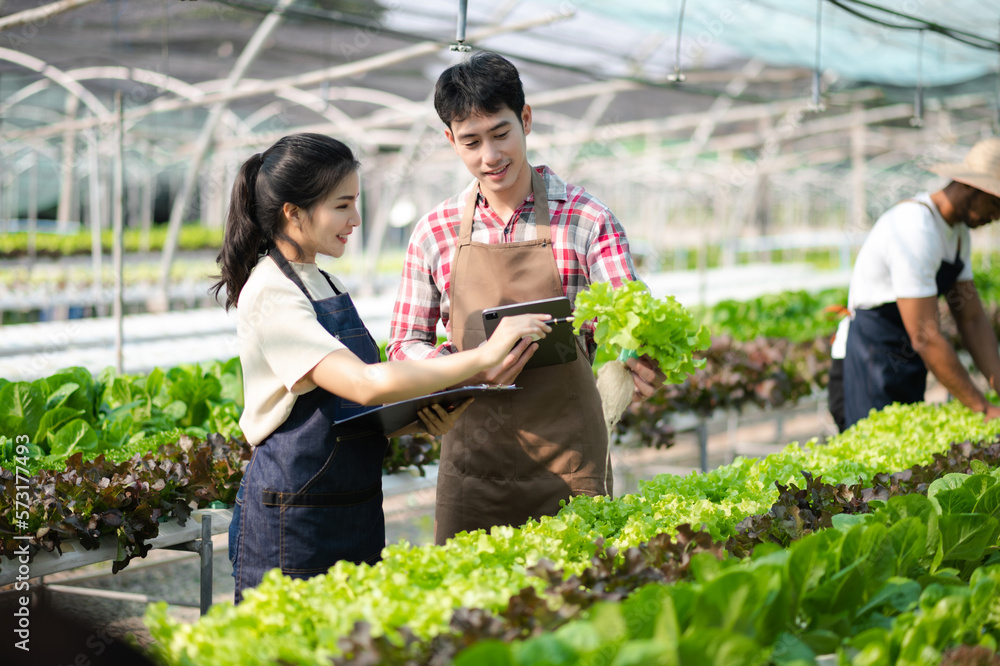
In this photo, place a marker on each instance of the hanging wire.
(817, 97)
(677, 76)
(969, 38)
(460, 45)
(918, 96)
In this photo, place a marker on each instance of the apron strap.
(286, 268)
(275, 498)
(329, 281)
(290, 273)
(917, 201)
(543, 222)
(465, 231)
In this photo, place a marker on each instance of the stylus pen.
(560, 320)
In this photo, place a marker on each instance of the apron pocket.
(319, 529)
(556, 445)
(545, 459)
(356, 338)
(337, 514)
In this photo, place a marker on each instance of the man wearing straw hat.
(917, 251)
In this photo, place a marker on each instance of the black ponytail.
(244, 240)
(301, 169)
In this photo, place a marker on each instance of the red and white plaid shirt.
(588, 241)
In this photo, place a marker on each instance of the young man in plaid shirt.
(517, 233)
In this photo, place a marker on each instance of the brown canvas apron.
(515, 456)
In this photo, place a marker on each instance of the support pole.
(215, 199)
(148, 200)
(249, 54)
(677, 76)
(67, 171)
(702, 430)
(205, 550)
(392, 184)
(463, 11)
(460, 46)
(918, 95)
(32, 212)
(117, 234)
(817, 79)
(94, 211)
(858, 177)
(13, 195)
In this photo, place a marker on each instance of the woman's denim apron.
(880, 366)
(312, 492)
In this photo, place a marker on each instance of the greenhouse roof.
(861, 41)
(877, 42)
(592, 70)
(624, 38)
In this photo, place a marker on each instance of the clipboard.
(557, 347)
(397, 415)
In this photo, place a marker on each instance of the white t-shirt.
(902, 254)
(280, 340)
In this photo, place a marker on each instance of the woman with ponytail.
(312, 494)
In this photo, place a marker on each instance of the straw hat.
(980, 169)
